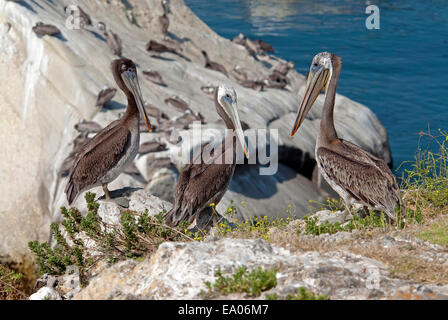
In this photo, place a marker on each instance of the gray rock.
(179, 271)
(163, 184)
(45, 293)
(139, 201)
(331, 217)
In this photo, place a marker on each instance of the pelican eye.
(227, 95)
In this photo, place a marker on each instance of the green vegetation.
(86, 240)
(254, 228)
(370, 221)
(436, 233)
(426, 181)
(301, 294)
(252, 283)
(11, 285)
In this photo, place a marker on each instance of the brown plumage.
(264, 46)
(88, 126)
(158, 47)
(177, 103)
(111, 150)
(114, 42)
(209, 90)
(253, 84)
(204, 182)
(155, 112)
(42, 29)
(365, 178)
(213, 65)
(104, 96)
(240, 74)
(151, 146)
(154, 77)
(253, 46)
(277, 80)
(164, 20)
(85, 18)
(240, 39)
(356, 175)
(283, 67)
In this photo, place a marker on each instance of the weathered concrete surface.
(51, 84)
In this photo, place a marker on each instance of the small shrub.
(89, 239)
(252, 283)
(11, 285)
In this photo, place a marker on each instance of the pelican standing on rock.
(356, 175)
(164, 20)
(112, 149)
(202, 183)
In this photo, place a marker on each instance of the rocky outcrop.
(53, 81)
(179, 271)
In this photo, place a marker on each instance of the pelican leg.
(215, 223)
(346, 211)
(106, 191)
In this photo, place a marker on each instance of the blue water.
(399, 71)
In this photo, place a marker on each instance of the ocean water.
(399, 71)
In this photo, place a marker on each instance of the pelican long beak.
(316, 82)
(233, 113)
(131, 81)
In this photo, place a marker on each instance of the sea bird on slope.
(112, 149)
(202, 183)
(356, 175)
(164, 20)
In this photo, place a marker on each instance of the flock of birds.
(356, 175)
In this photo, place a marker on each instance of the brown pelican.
(253, 84)
(164, 20)
(253, 46)
(155, 112)
(104, 96)
(213, 65)
(85, 18)
(158, 47)
(264, 46)
(42, 29)
(114, 42)
(78, 142)
(204, 183)
(283, 67)
(169, 46)
(151, 146)
(356, 175)
(240, 39)
(88, 126)
(178, 103)
(154, 77)
(239, 73)
(277, 80)
(112, 149)
(209, 90)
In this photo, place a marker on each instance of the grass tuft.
(301, 294)
(252, 283)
